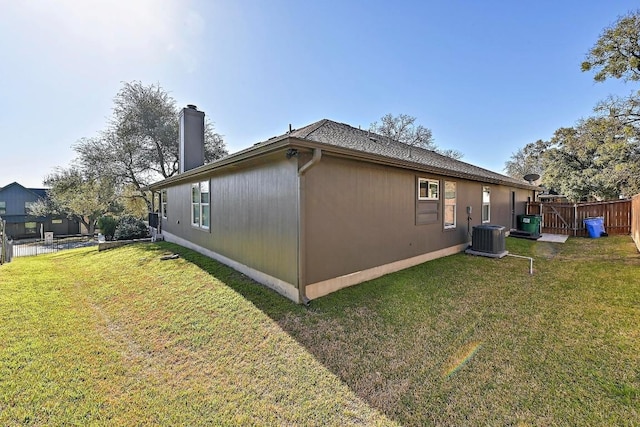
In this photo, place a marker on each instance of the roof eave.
(405, 164)
(287, 141)
(230, 160)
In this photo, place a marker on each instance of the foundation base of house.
(487, 254)
(325, 287)
(284, 288)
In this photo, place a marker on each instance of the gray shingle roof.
(346, 136)
(376, 147)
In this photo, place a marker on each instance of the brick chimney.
(191, 138)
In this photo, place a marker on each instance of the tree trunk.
(89, 225)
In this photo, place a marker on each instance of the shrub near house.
(107, 225)
(129, 228)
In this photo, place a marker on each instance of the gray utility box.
(489, 238)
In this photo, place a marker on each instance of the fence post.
(9, 249)
(3, 245)
(575, 220)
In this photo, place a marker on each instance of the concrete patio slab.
(553, 238)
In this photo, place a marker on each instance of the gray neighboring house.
(328, 206)
(15, 200)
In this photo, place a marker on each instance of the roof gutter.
(317, 156)
(406, 164)
(284, 142)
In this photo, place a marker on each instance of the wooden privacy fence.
(567, 218)
(635, 220)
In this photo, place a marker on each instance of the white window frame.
(445, 204)
(163, 203)
(195, 203)
(200, 205)
(429, 182)
(205, 203)
(486, 190)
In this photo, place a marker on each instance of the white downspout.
(317, 155)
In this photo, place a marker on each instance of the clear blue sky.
(486, 76)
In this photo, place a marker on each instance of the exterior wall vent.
(488, 240)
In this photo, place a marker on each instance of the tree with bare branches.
(403, 128)
(140, 143)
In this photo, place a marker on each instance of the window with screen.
(449, 204)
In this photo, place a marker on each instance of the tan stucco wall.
(360, 216)
(254, 216)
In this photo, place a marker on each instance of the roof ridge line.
(315, 126)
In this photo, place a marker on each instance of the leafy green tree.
(626, 109)
(598, 157)
(527, 160)
(617, 52)
(403, 128)
(140, 144)
(78, 196)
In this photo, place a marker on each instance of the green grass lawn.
(122, 338)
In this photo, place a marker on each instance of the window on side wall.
(200, 205)
(30, 227)
(449, 204)
(163, 203)
(204, 204)
(486, 204)
(3, 207)
(428, 189)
